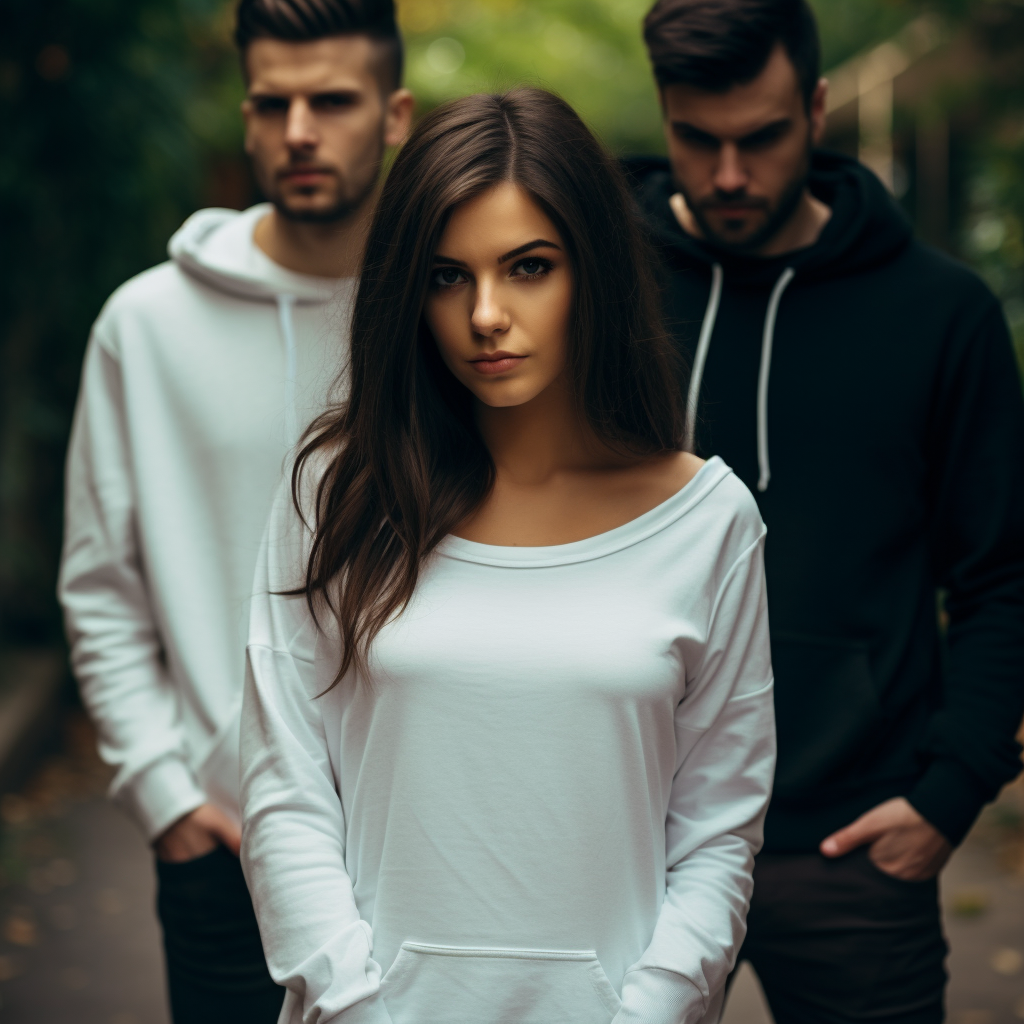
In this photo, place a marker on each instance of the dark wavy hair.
(405, 463)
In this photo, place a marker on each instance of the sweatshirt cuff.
(161, 794)
(949, 797)
(652, 995)
(367, 1011)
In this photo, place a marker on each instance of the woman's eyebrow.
(537, 243)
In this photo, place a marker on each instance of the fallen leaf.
(1007, 961)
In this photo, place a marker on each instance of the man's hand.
(198, 833)
(903, 844)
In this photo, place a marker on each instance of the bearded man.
(863, 385)
(199, 377)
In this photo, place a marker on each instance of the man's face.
(741, 157)
(316, 124)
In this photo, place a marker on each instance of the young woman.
(508, 733)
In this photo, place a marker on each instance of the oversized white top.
(543, 806)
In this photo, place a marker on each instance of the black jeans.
(840, 942)
(216, 972)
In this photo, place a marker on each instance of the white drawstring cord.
(285, 307)
(704, 342)
(765, 473)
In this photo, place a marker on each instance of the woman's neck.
(556, 482)
(548, 435)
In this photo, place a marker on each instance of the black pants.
(216, 972)
(838, 942)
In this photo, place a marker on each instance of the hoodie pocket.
(464, 985)
(826, 710)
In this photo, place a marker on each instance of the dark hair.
(302, 21)
(405, 463)
(716, 44)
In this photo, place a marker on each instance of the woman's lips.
(496, 362)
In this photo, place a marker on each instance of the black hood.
(867, 227)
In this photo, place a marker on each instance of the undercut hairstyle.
(403, 461)
(716, 44)
(303, 21)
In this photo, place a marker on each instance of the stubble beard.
(778, 216)
(346, 203)
(342, 209)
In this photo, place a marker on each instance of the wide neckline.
(656, 519)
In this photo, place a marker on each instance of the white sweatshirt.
(544, 804)
(199, 376)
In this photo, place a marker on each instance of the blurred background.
(118, 118)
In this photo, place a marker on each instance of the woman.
(508, 734)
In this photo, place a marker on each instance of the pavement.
(79, 942)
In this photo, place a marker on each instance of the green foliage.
(106, 126)
(992, 232)
(994, 228)
(849, 26)
(588, 51)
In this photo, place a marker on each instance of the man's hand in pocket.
(199, 832)
(903, 844)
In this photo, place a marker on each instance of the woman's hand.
(199, 832)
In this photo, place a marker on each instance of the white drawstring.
(285, 307)
(704, 342)
(765, 473)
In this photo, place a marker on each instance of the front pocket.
(826, 710)
(465, 985)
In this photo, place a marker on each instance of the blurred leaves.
(111, 112)
(588, 51)
(993, 228)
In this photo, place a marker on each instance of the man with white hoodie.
(199, 377)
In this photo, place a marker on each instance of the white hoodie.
(199, 377)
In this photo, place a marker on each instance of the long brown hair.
(405, 463)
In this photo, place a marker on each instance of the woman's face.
(500, 297)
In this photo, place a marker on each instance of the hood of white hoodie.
(216, 246)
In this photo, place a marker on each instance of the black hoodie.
(892, 467)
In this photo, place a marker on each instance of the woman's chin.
(505, 394)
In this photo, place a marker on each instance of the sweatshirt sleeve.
(725, 729)
(293, 837)
(116, 652)
(977, 469)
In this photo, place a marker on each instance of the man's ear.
(398, 116)
(816, 113)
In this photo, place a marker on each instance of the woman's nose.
(489, 314)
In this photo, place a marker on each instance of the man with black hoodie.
(862, 384)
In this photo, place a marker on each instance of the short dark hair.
(716, 44)
(302, 21)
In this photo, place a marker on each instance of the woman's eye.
(445, 277)
(532, 267)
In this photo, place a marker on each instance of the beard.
(343, 207)
(778, 213)
(345, 194)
